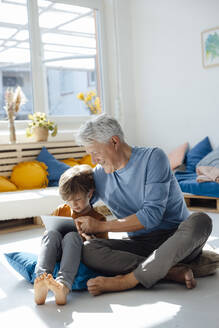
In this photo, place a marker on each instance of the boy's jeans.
(67, 250)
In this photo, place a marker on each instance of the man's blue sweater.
(146, 187)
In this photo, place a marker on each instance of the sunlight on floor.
(2, 294)
(166, 306)
(212, 238)
(149, 315)
(30, 317)
(155, 314)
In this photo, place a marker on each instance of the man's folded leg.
(106, 256)
(119, 256)
(185, 244)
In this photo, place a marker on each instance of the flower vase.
(40, 133)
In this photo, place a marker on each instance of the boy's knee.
(52, 234)
(73, 237)
(51, 237)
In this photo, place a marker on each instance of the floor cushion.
(24, 263)
(205, 264)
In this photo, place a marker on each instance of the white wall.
(120, 65)
(177, 100)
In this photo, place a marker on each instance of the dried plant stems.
(12, 133)
(13, 101)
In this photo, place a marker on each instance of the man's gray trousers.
(150, 256)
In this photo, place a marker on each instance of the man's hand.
(88, 225)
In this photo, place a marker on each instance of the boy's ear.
(90, 193)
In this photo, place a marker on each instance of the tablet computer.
(62, 224)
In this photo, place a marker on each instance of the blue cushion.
(53, 183)
(24, 263)
(55, 167)
(197, 153)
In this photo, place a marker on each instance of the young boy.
(76, 187)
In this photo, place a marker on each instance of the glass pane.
(15, 54)
(69, 38)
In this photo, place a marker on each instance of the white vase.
(40, 133)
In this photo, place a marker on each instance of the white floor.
(166, 305)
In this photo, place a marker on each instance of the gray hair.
(99, 129)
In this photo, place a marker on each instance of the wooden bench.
(26, 204)
(12, 154)
(202, 203)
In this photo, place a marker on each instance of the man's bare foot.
(182, 274)
(40, 289)
(60, 290)
(100, 285)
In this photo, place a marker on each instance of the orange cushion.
(87, 160)
(70, 161)
(6, 184)
(177, 156)
(30, 175)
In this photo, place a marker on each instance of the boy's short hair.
(78, 178)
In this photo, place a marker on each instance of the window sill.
(67, 128)
(21, 136)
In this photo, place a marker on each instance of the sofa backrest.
(12, 154)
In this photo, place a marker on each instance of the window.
(14, 53)
(91, 78)
(50, 49)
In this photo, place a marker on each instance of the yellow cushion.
(87, 160)
(30, 175)
(70, 161)
(6, 185)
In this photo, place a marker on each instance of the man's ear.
(115, 141)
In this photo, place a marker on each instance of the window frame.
(39, 85)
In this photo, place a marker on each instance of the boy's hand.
(88, 225)
(87, 237)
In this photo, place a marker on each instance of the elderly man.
(137, 184)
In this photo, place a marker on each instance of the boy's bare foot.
(100, 285)
(182, 274)
(40, 289)
(60, 290)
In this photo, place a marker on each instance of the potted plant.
(40, 126)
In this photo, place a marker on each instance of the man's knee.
(198, 223)
(91, 246)
(89, 251)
